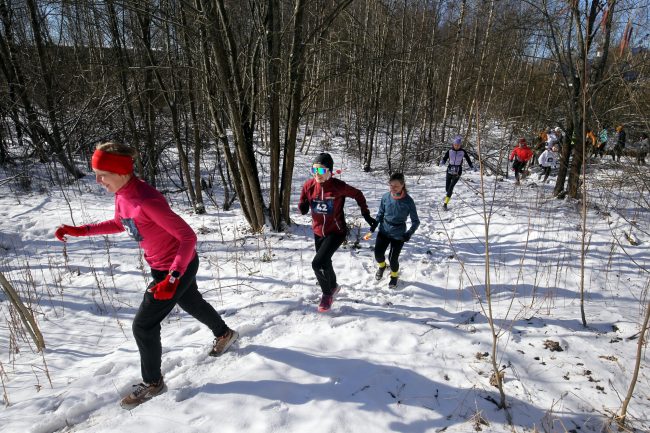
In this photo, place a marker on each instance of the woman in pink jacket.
(169, 245)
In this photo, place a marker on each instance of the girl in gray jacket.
(395, 207)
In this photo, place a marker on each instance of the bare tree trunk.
(170, 97)
(14, 75)
(296, 79)
(272, 23)
(123, 64)
(7, 67)
(147, 107)
(574, 77)
(199, 206)
(452, 68)
(432, 67)
(54, 139)
(221, 139)
(620, 418)
(488, 283)
(238, 109)
(481, 65)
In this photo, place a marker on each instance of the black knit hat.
(324, 159)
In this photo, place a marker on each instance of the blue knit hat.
(458, 140)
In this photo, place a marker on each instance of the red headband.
(120, 164)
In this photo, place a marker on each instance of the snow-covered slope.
(415, 359)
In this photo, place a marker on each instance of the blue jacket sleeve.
(381, 210)
(413, 214)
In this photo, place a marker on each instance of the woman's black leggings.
(546, 172)
(322, 263)
(519, 167)
(146, 325)
(382, 244)
(452, 180)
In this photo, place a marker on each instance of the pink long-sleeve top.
(143, 212)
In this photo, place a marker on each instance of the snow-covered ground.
(415, 359)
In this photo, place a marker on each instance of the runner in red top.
(519, 157)
(325, 196)
(169, 245)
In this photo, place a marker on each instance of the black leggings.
(382, 244)
(322, 263)
(452, 180)
(546, 171)
(519, 167)
(146, 325)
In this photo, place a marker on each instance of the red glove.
(165, 290)
(63, 230)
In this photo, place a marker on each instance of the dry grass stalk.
(26, 316)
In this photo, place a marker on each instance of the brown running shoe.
(221, 344)
(143, 392)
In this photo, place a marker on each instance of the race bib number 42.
(323, 207)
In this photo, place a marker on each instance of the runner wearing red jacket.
(325, 196)
(169, 245)
(519, 157)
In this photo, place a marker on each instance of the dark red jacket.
(326, 201)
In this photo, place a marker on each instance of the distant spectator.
(620, 143)
(603, 136)
(591, 141)
(642, 149)
(543, 135)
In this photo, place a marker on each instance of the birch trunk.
(452, 69)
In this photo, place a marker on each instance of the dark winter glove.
(371, 222)
(64, 230)
(406, 237)
(304, 207)
(166, 289)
